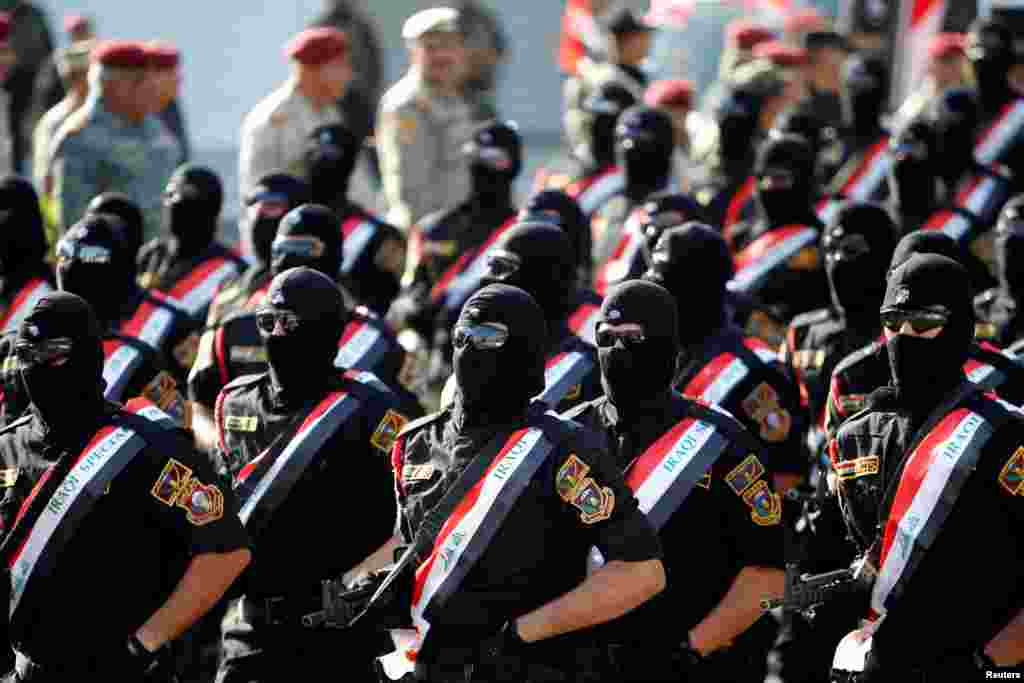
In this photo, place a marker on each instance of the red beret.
(804, 21)
(161, 55)
(125, 54)
(781, 54)
(317, 46)
(5, 26)
(946, 45)
(74, 22)
(669, 93)
(745, 34)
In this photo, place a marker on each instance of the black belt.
(268, 611)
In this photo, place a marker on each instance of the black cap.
(309, 294)
(928, 282)
(498, 146)
(622, 20)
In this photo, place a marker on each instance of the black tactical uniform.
(916, 537)
(687, 463)
(913, 179)
(188, 263)
(148, 506)
(24, 275)
(572, 499)
(558, 208)
(996, 309)
(281, 433)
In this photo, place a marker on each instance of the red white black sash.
(665, 474)
(461, 278)
(195, 291)
(265, 482)
(23, 303)
(982, 196)
(741, 203)
(592, 192)
(768, 253)
(583, 320)
(150, 324)
(717, 379)
(562, 372)
(618, 265)
(357, 232)
(361, 346)
(1001, 134)
(929, 486)
(986, 375)
(864, 180)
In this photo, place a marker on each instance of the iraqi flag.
(919, 21)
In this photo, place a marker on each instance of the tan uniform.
(419, 141)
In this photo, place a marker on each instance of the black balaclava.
(23, 241)
(912, 175)
(990, 50)
(865, 89)
(496, 385)
(538, 258)
(301, 360)
(737, 119)
(495, 153)
(956, 119)
(67, 398)
(316, 232)
(802, 121)
(603, 108)
(331, 156)
(1009, 249)
(925, 370)
(925, 242)
(283, 192)
(557, 207)
(662, 212)
(633, 375)
(858, 245)
(791, 156)
(644, 141)
(93, 262)
(693, 263)
(191, 207)
(118, 204)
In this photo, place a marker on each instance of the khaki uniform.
(419, 141)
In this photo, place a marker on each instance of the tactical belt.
(268, 611)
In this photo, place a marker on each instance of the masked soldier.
(374, 250)
(686, 462)
(24, 275)
(132, 221)
(717, 363)
(913, 180)
(275, 195)
(278, 434)
(913, 514)
(188, 263)
(996, 309)
(549, 493)
(86, 482)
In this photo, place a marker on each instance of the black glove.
(501, 656)
(132, 661)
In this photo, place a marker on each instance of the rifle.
(804, 592)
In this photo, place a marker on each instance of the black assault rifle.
(804, 592)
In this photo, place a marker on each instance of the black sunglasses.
(268, 319)
(631, 334)
(483, 336)
(920, 321)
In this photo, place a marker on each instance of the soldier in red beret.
(947, 68)
(274, 132)
(741, 37)
(165, 82)
(675, 98)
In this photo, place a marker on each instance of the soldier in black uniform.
(120, 205)
(997, 308)
(188, 263)
(374, 250)
(913, 178)
(275, 195)
(24, 273)
(280, 433)
(992, 54)
(549, 493)
(930, 425)
(717, 362)
(687, 463)
(100, 497)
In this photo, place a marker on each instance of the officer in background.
(675, 98)
(997, 308)
(553, 494)
(274, 133)
(929, 409)
(279, 433)
(274, 195)
(112, 143)
(165, 81)
(648, 425)
(128, 487)
(629, 42)
(424, 121)
(717, 363)
(374, 250)
(486, 49)
(24, 274)
(187, 262)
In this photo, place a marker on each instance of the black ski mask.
(638, 344)
(93, 262)
(331, 156)
(956, 121)
(925, 291)
(22, 237)
(1009, 249)
(785, 179)
(301, 324)
(912, 174)
(663, 212)
(60, 359)
(500, 341)
(925, 242)
(495, 154)
(558, 208)
(191, 207)
(309, 235)
(737, 119)
(693, 258)
(120, 205)
(865, 89)
(603, 107)
(991, 53)
(644, 141)
(798, 120)
(538, 258)
(858, 245)
(274, 195)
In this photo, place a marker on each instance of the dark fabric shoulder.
(580, 412)
(724, 422)
(810, 318)
(435, 225)
(243, 382)
(417, 424)
(857, 357)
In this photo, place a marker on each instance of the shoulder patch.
(743, 476)
(765, 504)
(858, 467)
(595, 502)
(764, 408)
(387, 431)
(984, 330)
(176, 486)
(1011, 478)
(9, 476)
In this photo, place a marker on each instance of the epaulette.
(243, 381)
(581, 408)
(17, 423)
(856, 356)
(811, 318)
(422, 422)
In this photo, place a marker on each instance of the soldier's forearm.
(739, 609)
(203, 427)
(607, 594)
(1007, 647)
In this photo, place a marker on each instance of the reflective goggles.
(920, 321)
(631, 334)
(52, 352)
(776, 180)
(305, 247)
(483, 336)
(268, 204)
(70, 250)
(267, 321)
(502, 264)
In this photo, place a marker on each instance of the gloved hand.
(131, 661)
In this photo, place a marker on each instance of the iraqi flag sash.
(361, 346)
(195, 291)
(462, 278)
(994, 140)
(593, 192)
(767, 254)
(150, 324)
(357, 232)
(564, 371)
(23, 303)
